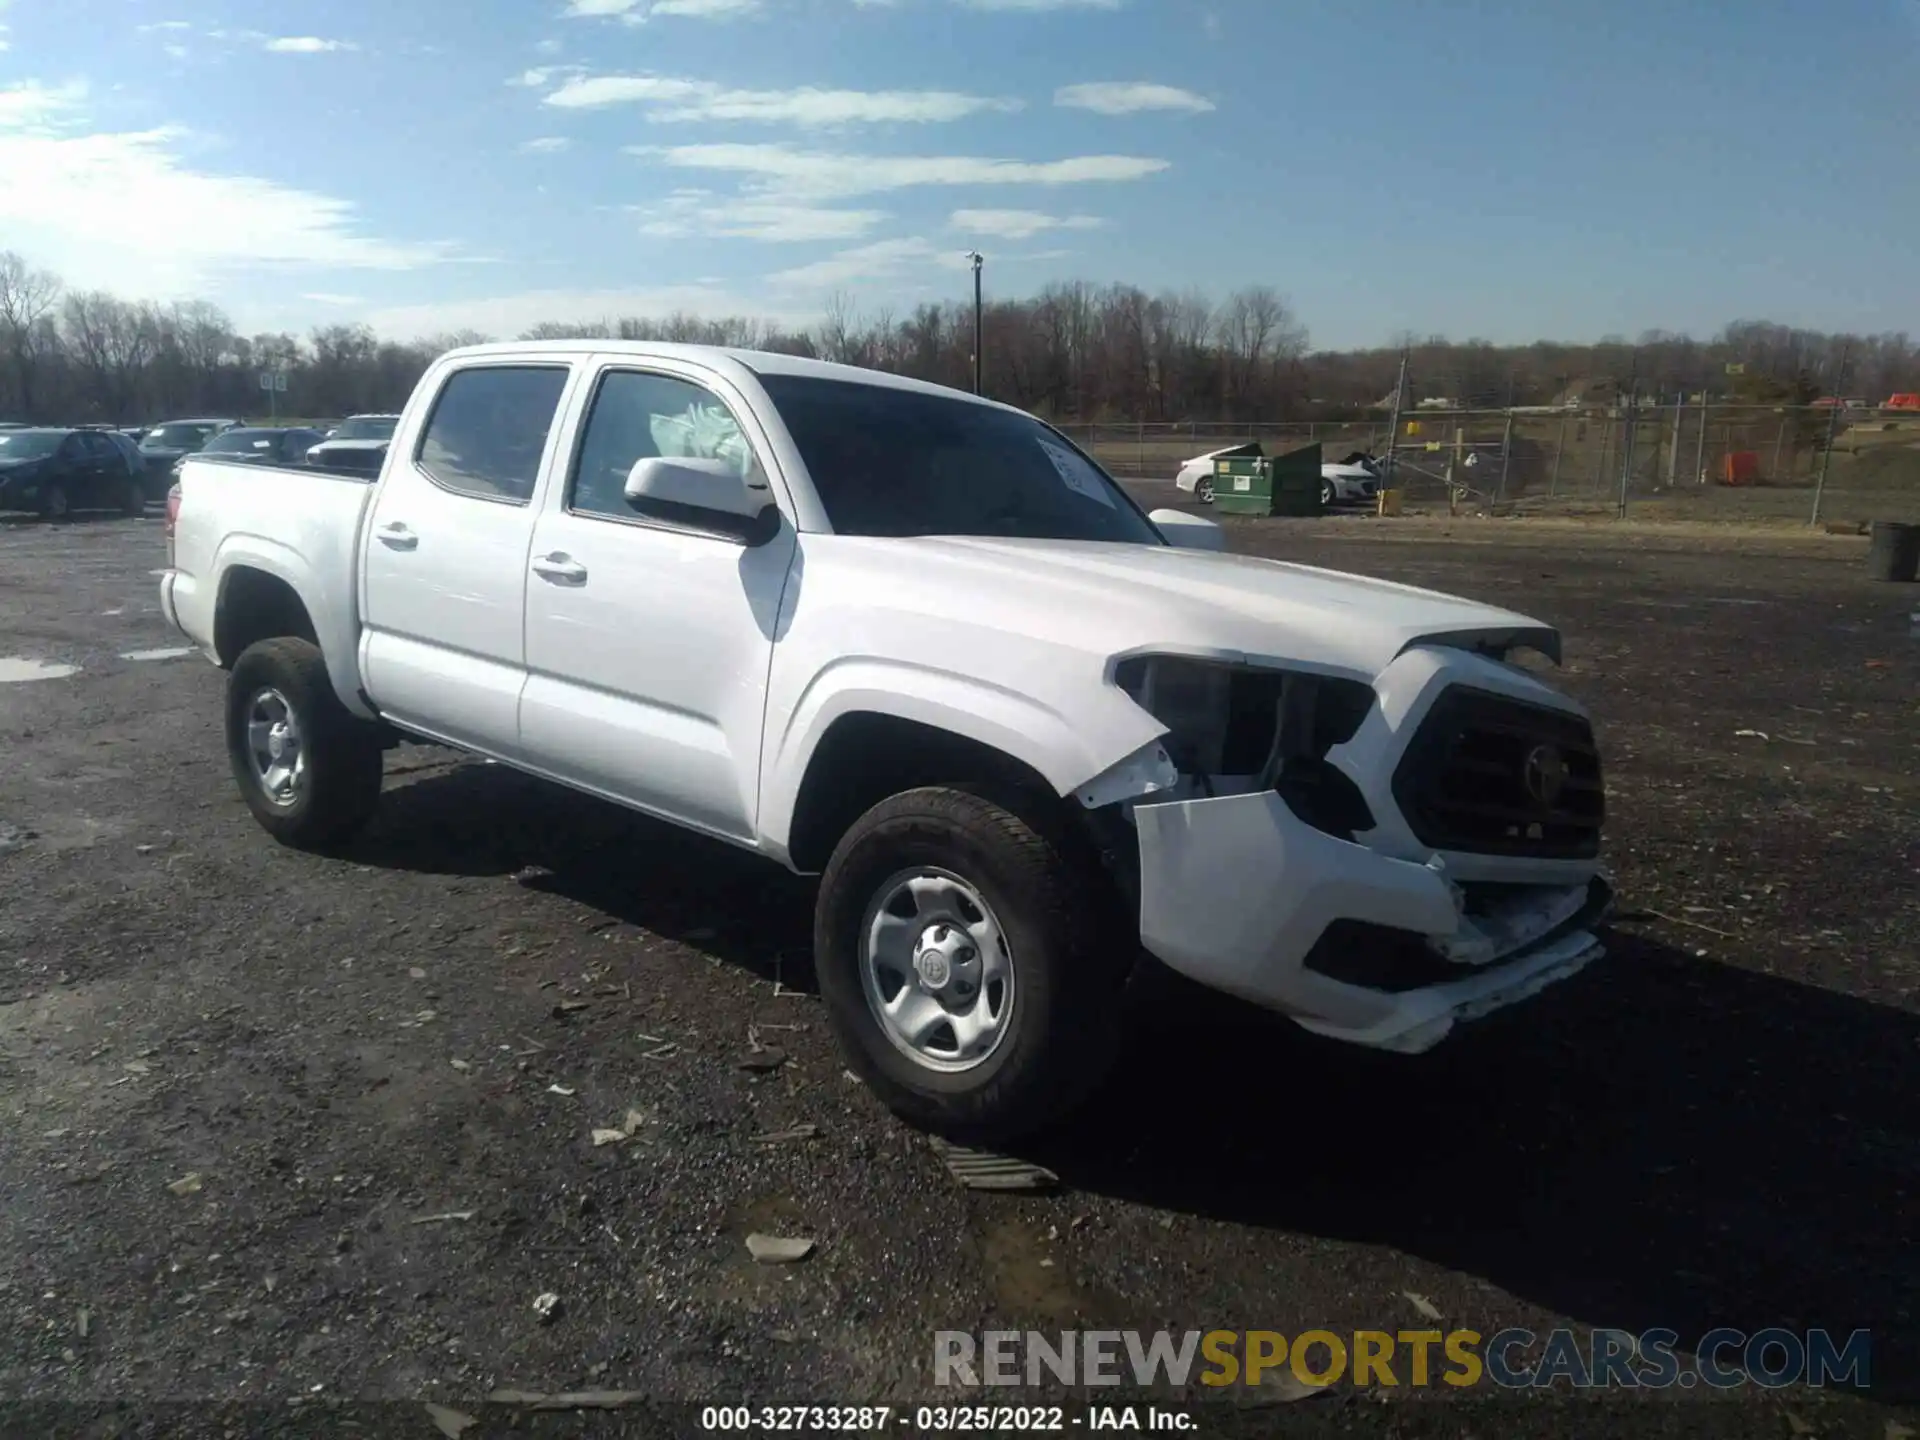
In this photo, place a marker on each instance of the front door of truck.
(444, 578)
(649, 638)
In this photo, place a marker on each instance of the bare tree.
(837, 335)
(1073, 352)
(27, 296)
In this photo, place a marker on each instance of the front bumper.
(1236, 892)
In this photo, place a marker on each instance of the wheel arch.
(256, 603)
(266, 589)
(865, 755)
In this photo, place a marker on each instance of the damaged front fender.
(1148, 771)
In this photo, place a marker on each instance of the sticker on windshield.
(1076, 474)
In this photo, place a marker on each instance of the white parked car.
(919, 644)
(1355, 480)
(1196, 475)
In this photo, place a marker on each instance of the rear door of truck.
(444, 576)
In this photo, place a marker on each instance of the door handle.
(561, 568)
(398, 537)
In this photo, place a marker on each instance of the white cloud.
(700, 213)
(328, 297)
(821, 175)
(540, 75)
(638, 12)
(508, 315)
(548, 46)
(32, 106)
(878, 261)
(544, 145)
(305, 45)
(1038, 5)
(61, 177)
(1128, 97)
(673, 100)
(1018, 224)
(164, 25)
(873, 266)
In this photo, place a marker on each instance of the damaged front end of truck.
(1376, 858)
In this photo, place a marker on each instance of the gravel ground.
(280, 1126)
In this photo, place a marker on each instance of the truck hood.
(1114, 599)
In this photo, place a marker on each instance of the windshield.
(367, 428)
(177, 437)
(241, 442)
(901, 462)
(29, 444)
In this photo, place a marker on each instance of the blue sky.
(1496, 168)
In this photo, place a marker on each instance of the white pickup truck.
(920, 644)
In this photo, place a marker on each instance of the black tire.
(1071, 952)
(133, 499)
(1203, 491)
(1326, 494)
(341, 781)
(55, 504)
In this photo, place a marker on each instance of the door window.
(489, 428)
(636, 416)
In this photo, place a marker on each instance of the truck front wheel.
(308, 769)
(972, 957)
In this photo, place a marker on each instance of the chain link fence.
(1680, 461)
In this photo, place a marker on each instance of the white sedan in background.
(1355, 480)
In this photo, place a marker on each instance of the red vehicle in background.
(1907, 401)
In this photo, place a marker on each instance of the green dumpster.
(1270, 484)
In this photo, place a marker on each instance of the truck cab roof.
(756, 362)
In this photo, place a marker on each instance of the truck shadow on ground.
(1663, 1141)
(462, 817)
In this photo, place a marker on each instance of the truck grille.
(1494, 776)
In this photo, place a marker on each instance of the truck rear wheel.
(308, 769)
(972, 956)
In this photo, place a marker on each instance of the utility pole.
(1506, 449)
(979, 357)
(1626, 436)
(1393, 421)
(1673, 454)
(1833, 423)
(1700, 445)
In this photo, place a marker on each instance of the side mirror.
(685, 483)
(1189, 532)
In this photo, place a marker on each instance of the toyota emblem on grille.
(1545, 775)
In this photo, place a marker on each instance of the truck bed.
(301, 525)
